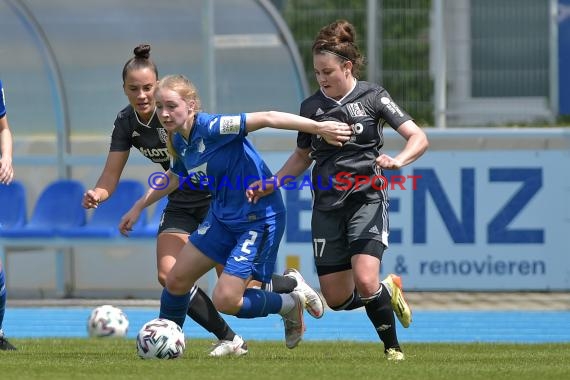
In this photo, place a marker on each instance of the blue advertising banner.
(463, 220)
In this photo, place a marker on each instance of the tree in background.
(403, 47)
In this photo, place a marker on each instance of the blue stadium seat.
(105, 219)
(151, 227)
(13, 212)
(57, 208)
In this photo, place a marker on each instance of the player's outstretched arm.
(334, 132)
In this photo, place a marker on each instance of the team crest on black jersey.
(356, 109)
(162, 134)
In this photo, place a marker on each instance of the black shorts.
(181, 220)
(340, 234)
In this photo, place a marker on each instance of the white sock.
(389, 289)
(288, 303)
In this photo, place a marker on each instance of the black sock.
(380, 312)
(352, 302)
(280, 284)
(202, 310)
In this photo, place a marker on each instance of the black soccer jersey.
(151, 142)
(334, 176)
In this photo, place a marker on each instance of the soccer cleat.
(394, 355)
(313, 302)
(4, 344)
(399, 304)
(294, 322)
(235, 347)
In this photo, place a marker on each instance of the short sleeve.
(304, 140)
(120, 139)
(389, 110)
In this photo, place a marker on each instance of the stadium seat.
(58, 208)
(151, 227)
(13, 212)
(105, 219)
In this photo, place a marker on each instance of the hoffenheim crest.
(162, 134)
(201, 147)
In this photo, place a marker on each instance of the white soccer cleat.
(313, 302)
(394, 355)
(235, 347)
(294, 322)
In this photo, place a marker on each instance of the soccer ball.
(107, 321)
(160, 339)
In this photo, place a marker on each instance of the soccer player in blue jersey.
(137, 125)
(6, 176)
(350, 223)
(212, 150)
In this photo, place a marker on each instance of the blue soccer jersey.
(241, 235)
(219, 156)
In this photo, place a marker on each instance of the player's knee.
(162, 278)
(176, 285)
(225, 302)
(367, 288)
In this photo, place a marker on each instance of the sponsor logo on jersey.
(356, 109)
(229, 125)
(197, 176)
(240, 258)
(212, 122)
(162, 135)
(135, 134)
(161, 153)
(319, 112)
(392, 107)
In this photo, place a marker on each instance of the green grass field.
(117, 359)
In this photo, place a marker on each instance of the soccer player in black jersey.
(350, 214)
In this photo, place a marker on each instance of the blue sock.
(259, 303)
(2, 296)
(174, 307)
